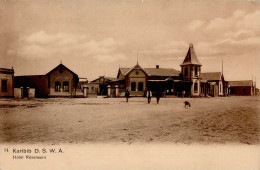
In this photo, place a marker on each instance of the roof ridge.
(63, 66)
(135, 67)
(31, 75)
(160, 68)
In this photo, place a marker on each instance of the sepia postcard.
(129, 84)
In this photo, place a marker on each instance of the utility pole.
(137, 57)
(222, 66)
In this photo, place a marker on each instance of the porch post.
(85, 91)
(108, 91)
(28, 92)
(173, 88)
(117, 91)
(22, 92)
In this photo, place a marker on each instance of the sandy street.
(112, 120)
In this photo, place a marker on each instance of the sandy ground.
(112, 120)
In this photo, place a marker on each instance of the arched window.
(196, 71)
(65, 86)
(196, 87)
(57, 86)
(140, 86)
(133, 86)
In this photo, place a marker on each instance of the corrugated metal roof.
(211, 76)
(191, 57)
(111, 78)
(162, 71)
(124, 70)
(241, 83)
(156, 71)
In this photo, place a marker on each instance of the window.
(4, 85)
(196, 71)
(220, 88)
(57, 86)
(196, 87)
(140, 86)
(133, 85)
(66, 86)
(244, 90)
(185, 71)
(92, 89)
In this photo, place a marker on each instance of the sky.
(95, 37)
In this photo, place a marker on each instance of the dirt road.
(112, 120)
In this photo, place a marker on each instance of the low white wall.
(17, 92)
(122, 94)
(60, 93)
(31, 92)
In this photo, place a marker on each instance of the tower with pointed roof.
(191, 70)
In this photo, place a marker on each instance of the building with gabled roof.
(211, 76)
(153, 71)
(59, 82)
(62, 82)
(101, 84)
(138, 80)
(216, 83)
(102, 79)
(189, 82)
(242, 87)
(241, 83)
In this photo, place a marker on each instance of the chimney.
(157, 66)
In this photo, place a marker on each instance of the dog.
(186, 104)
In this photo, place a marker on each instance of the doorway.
(25, 92)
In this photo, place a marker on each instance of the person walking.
(158, 95)
(127, 94)
(149, 96)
